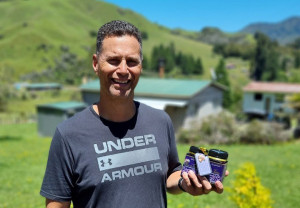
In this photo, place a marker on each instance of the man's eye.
(132, 63)
(114, 62)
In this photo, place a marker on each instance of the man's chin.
(122, 94)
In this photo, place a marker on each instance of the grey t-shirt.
(98, 163)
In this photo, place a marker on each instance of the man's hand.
(55, 204)
(198, 185)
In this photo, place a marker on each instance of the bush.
(216, 129)
(144, 35)
(224, 129)
(247, 190)
(93, 33)
(259, 132)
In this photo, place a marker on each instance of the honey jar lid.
(194, 149)
(218, 154)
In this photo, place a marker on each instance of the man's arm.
(55, 204)
(194, 185)
(172, 183)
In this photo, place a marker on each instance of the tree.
(198, 69)
(272, 66)
(145, 63)
(185, 62)
(297, 59)
(266, 59)
(296, 43)
(260, 59)
(165, 53)
(294, 102)
(222, 78)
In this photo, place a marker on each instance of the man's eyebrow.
(111, 56)
(118, 56)
(133, 57)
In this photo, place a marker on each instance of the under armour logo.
(108, 162)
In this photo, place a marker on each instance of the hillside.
(33, 32)
(284, 32)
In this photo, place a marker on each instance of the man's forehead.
(112, 54)
(107, 37)
(120, 44)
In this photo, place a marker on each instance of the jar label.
(218, 172)
(189, 164)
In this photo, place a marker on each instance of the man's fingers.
(194, 179)
(206, 184)
(218, 187)
(186, 178)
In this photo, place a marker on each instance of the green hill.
(32, 33)
(284, 32)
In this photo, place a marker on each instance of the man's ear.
(95, 63)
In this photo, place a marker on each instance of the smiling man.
(117, 152)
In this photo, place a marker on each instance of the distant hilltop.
(284, 32)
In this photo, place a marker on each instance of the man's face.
(118, 66)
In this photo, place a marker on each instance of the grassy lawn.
(23, 158)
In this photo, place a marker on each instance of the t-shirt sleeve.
(57, 183)
(174, 164)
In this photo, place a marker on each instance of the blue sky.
(228, 15)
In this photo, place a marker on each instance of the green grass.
(23, 156)
(22, 164)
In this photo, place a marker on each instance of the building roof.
(157, 87)
(63, 106)
(274, 87)
(42, 85)
(161, 103)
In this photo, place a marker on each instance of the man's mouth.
(121, 81)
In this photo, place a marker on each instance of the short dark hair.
(117, 28)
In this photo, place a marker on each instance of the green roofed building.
(51, 114)
(183, 100)
(38, 86)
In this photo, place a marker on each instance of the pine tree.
(198, 67)
(222, 78)
(260, 58)
(265, 63)
(145, 63)
(297, 59)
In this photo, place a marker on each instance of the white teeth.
(121, 82)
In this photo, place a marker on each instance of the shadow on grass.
(10, 138)
(3, 165)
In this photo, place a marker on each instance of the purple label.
(189, 164)
(218, 172)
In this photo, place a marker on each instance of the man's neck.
(115, 110)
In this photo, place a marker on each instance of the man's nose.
(123, 67)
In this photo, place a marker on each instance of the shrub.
(247, 190)
(224, 129)
(93, 33)
(259, 132)
(144, 35)
(216, 129)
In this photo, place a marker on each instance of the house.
(38, 86)
(183, 100)
(264, 99)
(51, 114)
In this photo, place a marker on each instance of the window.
(258, 96)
